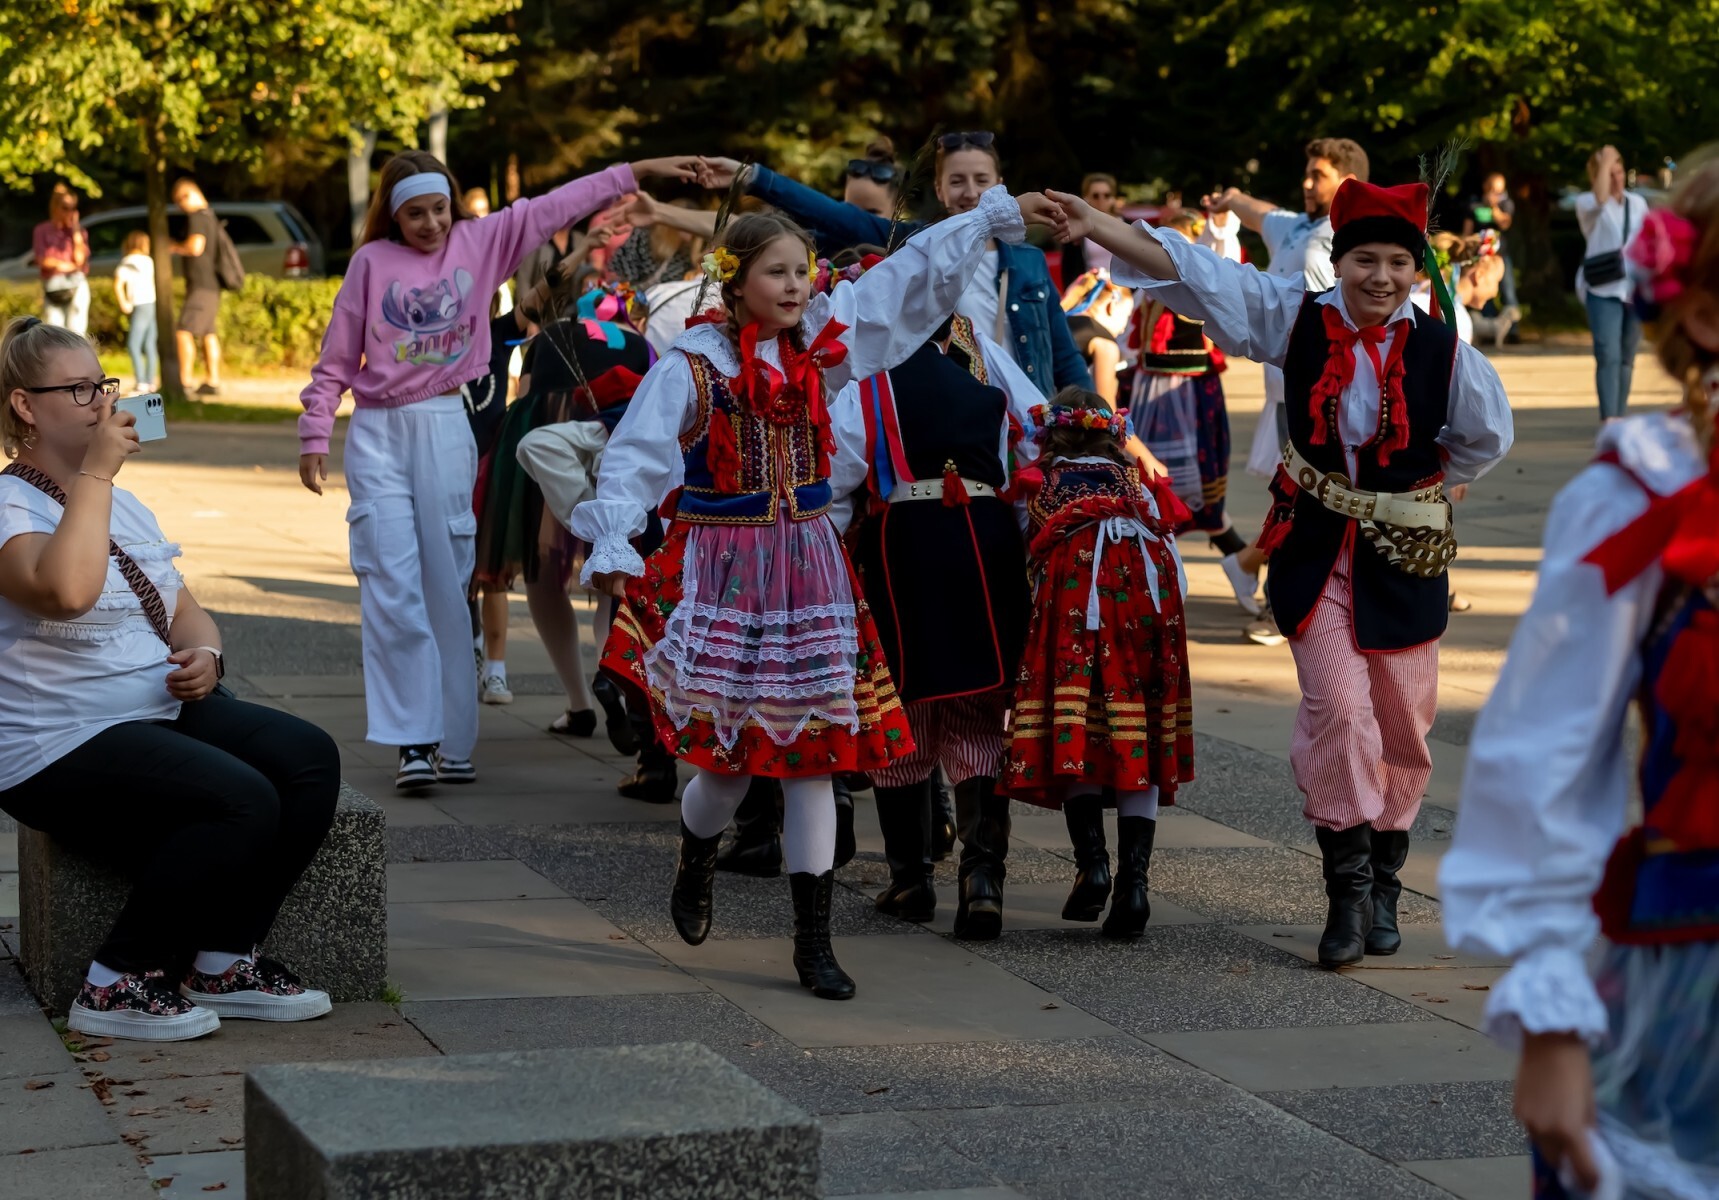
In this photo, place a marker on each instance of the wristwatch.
(220, 661)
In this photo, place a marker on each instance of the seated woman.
(114, 735)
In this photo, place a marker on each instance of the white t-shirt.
(668, 307)
(1604, 229)
(138, 273)
(66, 681)
(981, 305)
(1300, 247)
(1421, 294)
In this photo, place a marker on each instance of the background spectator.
(1099, 190)
(874, 180)
(134, 288)
(1494, 209)
(61, 250)
(202, 288)
(1610, 217)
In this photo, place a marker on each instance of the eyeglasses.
(82, 392)
(865, 168)
(978, 139)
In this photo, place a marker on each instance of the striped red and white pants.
(1359, 751)
(963, 733)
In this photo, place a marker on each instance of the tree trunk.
(439, 134)
(360, 145)
(154, 138)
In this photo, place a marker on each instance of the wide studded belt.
(1411, 529)
(932, 489)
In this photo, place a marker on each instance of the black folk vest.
(947, 584)
(1393, 610)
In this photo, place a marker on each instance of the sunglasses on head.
(978, 139)
(865, 168)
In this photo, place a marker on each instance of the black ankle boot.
(694, 880)
(1390, 851)
(984, 822)
(904, 816)
(1085, 817)
(813, 958)
(623, 731)
(655, 779)
(1348, 858)
(846, 847)
(1130, 908)
(942, 818)
(756, 848)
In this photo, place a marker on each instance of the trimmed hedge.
(273, 324)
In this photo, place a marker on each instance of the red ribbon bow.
(1679, 531)
(1688, 812)
(1340, 373)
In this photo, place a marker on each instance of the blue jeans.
(1617, 333)
(140, 340)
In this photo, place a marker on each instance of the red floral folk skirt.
(758, 653)
(1109, 706)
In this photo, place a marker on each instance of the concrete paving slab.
(502, 879)
(9, 850)
(447, 842)
(1424, 948)
(592, 798)
(16, 999)
(873, 1152)
(1459, 995)
(575, 969)
(476, 923)
(1186, 978)
(398, 811)
(371, 1030)
(29, 1046)
(105, 1172)
(50, 1112)
(190, 1174)
(1342, 1056)
(9, 895)
(1479, 1178)
(910, 990)
(193, 1115)
(1038, 906)
(1414, 1121)
(1253, 886)
(986, 1193)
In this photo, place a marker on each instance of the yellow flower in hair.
(720, 265)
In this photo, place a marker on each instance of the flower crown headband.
(1054, 416)
(722, 264)
(1659, 258)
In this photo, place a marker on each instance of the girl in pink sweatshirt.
(410, 326)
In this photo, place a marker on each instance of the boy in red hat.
(1386, 409)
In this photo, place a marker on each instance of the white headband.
(424, 183)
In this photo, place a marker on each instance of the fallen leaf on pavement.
(1477, 987)
(215, 1187)
(1048, 1007)
(142, 1112)
(232, 1141)
(36, 1085)
(98, 1056)
(876, 1091)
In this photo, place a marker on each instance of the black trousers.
(213, 816)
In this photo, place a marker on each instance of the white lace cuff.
(1548, 991)
(1002, 215)
(611, 552)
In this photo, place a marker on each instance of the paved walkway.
(1210, 1059)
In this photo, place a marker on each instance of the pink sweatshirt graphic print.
(407, 325)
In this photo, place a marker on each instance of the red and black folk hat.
(1363, 213)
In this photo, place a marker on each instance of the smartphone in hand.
(151, 413)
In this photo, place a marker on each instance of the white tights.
(808, 819)
(1128, 804)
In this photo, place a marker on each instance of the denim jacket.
(1038, 330)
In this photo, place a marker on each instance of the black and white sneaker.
(454, 770)
(256, 989)
(143, 1007)
(417, 768)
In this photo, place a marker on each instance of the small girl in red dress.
(1103, 705)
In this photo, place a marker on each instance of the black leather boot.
(904, 816)
(756, 848)
(1085, 817)
(1390, 851)
(1348, 856)
(983, 817)
(1130, 907)
(846, 847)
(655, 779)
(813, 958)
(942, 818)
(694, 880)
(622, 729)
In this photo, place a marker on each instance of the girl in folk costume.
(410, 326)
(746, 629)
(1385, 408)
(1103, 706)
(1619, 1077)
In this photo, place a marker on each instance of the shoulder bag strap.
(147, 594)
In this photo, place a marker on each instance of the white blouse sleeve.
(1248, 313)
(893, 308)
(1548, 778)
(1005, 373)
(1225, 240)
(641, 465)
(848, 467)
(1479, 429)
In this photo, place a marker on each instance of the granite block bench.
(671, 1122)
(332, 930)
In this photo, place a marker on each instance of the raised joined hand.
(1075, 216)
(681, 166)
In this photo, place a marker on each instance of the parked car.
(272, 237)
